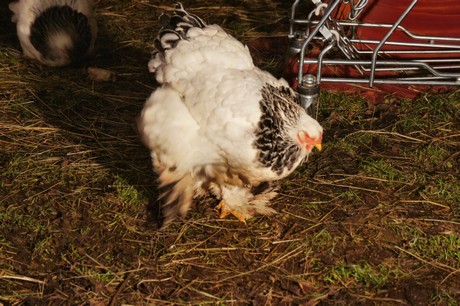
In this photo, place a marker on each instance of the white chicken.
(217, 123)
(55, 32)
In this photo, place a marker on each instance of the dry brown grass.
(373, 219)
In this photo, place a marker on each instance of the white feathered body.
(201, 124)
(25, 13)
(218, 89)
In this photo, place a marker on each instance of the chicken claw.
(224, 212)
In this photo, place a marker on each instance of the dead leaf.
(101, 75)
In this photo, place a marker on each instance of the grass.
(374, 219)
(362, 274)
(384, 170)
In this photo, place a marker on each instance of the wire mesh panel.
(375, 42)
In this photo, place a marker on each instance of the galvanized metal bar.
(393, 81)
(430, 68)
(385, 38)
(291, 23)
(320, 60)
(326, 15)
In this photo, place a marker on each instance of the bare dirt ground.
(373, 219)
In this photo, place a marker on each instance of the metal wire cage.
(374, 42)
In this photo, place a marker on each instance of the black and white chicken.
(217, 123)
(55, 32)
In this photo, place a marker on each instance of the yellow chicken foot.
(224, 212)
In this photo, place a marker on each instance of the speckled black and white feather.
(55, 32)
(217, 123)
(175, 27)
(280, 112)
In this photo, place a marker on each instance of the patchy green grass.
(438, 248)
(360, 274)
(385, 170)
(374, 219)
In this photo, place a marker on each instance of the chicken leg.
(224, 212)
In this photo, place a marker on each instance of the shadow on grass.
(96, 118)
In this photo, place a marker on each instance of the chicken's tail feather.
(178, 189)
(178, 192)
(175, 27)
(61, 34)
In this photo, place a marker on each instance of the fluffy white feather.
(58, 40)
(219, 123)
